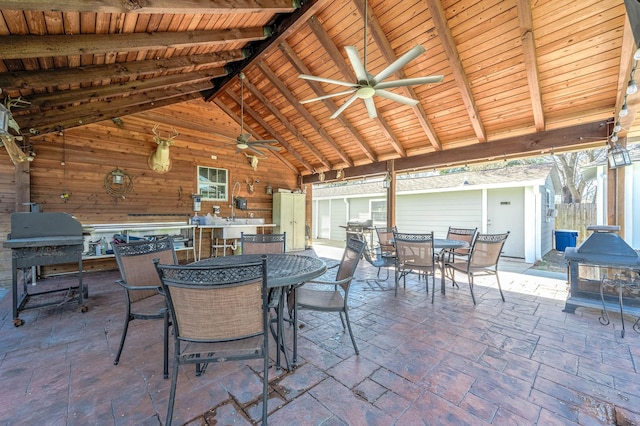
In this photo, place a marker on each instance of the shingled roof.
(520, 175)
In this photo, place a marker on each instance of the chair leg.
(499, 286)
(433, 287)
(471, 288)
(123, 337)
(265, 382)
(295, 329)
(165, 370)
(342, 321)
(353, 340)
(397, 282)
(172, 393)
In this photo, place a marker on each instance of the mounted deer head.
(250, 185)
(8, 140)
(159, 160)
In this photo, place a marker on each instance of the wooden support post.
(391, 195)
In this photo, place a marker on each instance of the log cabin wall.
(91, 152)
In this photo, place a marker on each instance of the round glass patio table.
(283, 270)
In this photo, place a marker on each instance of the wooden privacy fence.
(576, 217)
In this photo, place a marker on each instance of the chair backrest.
(218, 302)
(414, 249)
(385, 235)
(135, 262)
(263, 243)
(486, 250)
(350, 258)
(462, 234)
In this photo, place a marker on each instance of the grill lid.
(604, 247)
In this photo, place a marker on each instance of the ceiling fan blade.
(399, 64)
(409, 82)
(220, 135)
(263, 142)
(344, 106)
(371, 107)
(395, 97)
(327, 80)
(356, 63)
(271, 147)
(346, 92)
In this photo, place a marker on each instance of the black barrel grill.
(39, 239)
(603, 253)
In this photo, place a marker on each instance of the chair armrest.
(343, 281)
(138, 287)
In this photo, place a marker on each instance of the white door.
(324, 219)
(505, 212)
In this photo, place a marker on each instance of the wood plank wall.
(91, 152)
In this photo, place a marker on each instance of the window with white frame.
(213, 183)
(378, 209)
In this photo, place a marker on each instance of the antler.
(16, 102)
(158, 137)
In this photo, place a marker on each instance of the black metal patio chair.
(144, 299)
(219, 313)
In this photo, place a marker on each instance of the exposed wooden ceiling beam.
(126, 88)
(531, 61)
(520, 146)
(283, 28)
(271, 76)
(333, 52)
(450, 49)
(387, 51)
(153, 6)
(626, 65)
(36, 46)
(131, 70)
(285, 122)
(80, 115)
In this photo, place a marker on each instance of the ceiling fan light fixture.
(365, 92)
(242, 145)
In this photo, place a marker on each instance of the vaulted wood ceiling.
(521, 77)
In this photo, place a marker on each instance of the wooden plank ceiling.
(520, 77)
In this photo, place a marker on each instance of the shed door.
(505, 212)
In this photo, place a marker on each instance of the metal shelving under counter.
(183, 234)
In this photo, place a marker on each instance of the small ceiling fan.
(242, 141)
(368, 85)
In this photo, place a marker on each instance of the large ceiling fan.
(367, 85)
(242, 141)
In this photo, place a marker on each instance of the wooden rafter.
(626, 64)
(128, 88)
(531, 61)
(333, 52)
(285, 122)
(450, 49)
(250, 111)
(387, 51)
(80, 115)
(152, 6)
(132, 70)
(37, 46)
(271, 76)
(295, 61)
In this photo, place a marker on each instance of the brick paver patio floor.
(519, 362)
